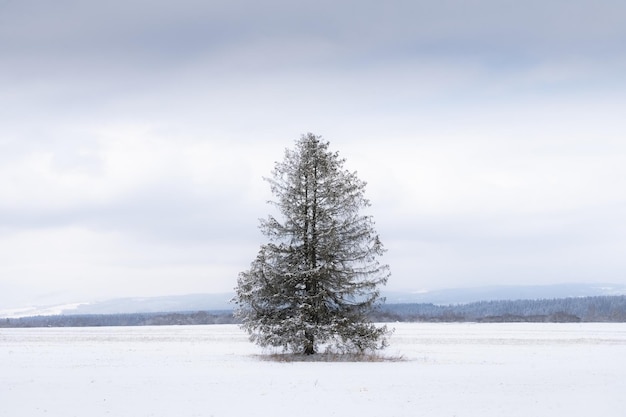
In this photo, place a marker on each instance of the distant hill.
(504, 292)
(131, 305)
(174, 303)
(606, 308)
(217, 302)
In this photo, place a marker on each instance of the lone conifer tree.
(317, 279)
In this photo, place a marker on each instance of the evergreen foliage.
(316, 281)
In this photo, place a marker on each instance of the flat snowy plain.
(448, 370)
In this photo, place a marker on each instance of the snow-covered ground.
(449, 370)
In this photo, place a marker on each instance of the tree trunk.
(309, 346)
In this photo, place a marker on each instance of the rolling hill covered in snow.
(221, 301)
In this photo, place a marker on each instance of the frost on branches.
(313, 284)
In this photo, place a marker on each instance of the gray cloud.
(166, 213)
(153, 36)
(136, 133)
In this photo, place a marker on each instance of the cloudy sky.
(134, 136)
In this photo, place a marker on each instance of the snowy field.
(526, 370)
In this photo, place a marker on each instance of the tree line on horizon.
(572, 309)
(584, 309)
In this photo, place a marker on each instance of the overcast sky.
(134, 136)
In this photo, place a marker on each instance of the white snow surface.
(448, 370)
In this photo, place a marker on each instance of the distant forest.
(133, 319)
(585, 309)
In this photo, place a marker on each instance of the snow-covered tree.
(314, 283)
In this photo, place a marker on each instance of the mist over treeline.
(583, 309)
